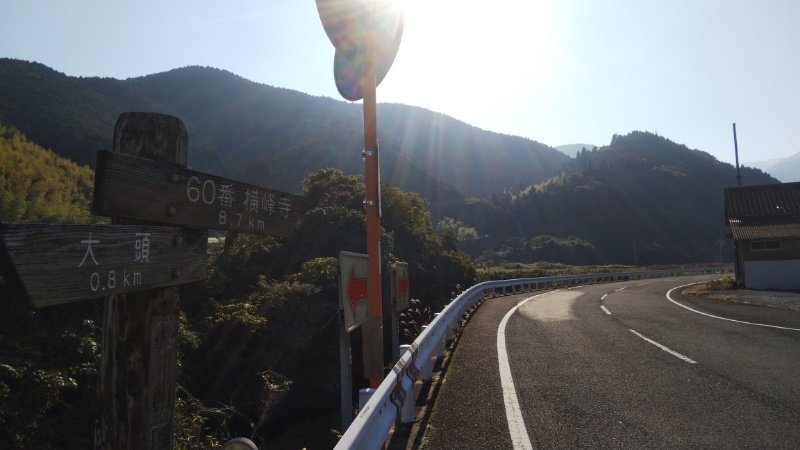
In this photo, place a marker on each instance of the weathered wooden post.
(138, 263)
(140, 329)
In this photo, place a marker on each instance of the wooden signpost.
(138, 366)
(136, 188)
(57, 263)
(137, 264)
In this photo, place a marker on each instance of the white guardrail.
(373, 423)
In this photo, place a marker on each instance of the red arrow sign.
(402, 285)
(356, 288)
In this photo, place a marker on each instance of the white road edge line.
(516, 423)
(669, 297)
(606, 310)
(665, 348)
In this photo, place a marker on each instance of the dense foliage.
(37, 185)
(641, 200)
(258, 340)
(272, 307)
(48, 358)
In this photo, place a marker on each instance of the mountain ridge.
(513, 191)
(235, 123)
(786, 169)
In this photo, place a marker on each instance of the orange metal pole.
(372, 205)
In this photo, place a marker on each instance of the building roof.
(752, 230)
(774, 201)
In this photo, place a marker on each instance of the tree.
(37, 185)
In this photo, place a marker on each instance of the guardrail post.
(440, 342)
(407, 411)
(363, 397)
(453, 328)
(427, 365)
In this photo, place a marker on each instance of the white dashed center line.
(665, 348)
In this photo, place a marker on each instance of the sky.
(555, 71)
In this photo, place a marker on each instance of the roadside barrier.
(394, 397)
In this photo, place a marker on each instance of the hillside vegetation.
(266, 135)
(258, 339)
(642, 199)
(36, 185)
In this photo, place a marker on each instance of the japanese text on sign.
(248, 212)
(102, 280)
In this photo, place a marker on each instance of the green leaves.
(36, 185)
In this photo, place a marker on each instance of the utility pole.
(736, 149)
(366, 36)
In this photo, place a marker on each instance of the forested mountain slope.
(267, 135)
(38, 185)
(643, 198)
(640, 191)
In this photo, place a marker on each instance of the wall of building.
(781, 275)
(790, 249)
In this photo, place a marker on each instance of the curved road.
(622, 365)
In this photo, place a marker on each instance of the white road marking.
(516, 423)
(669, 297)
(606, 310)
(641, 284)
(604, 297)
(665, 348)
(620, 289)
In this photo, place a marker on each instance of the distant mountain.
(642, 191)
(271, 136)
(526, 201)
(785, 169)
(572, 149)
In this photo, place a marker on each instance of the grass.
(542, 269)
(511, 270)
(725, 283)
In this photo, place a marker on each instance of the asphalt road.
(620, 365)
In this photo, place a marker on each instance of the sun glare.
(453, 51)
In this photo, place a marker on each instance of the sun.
(456, 50)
